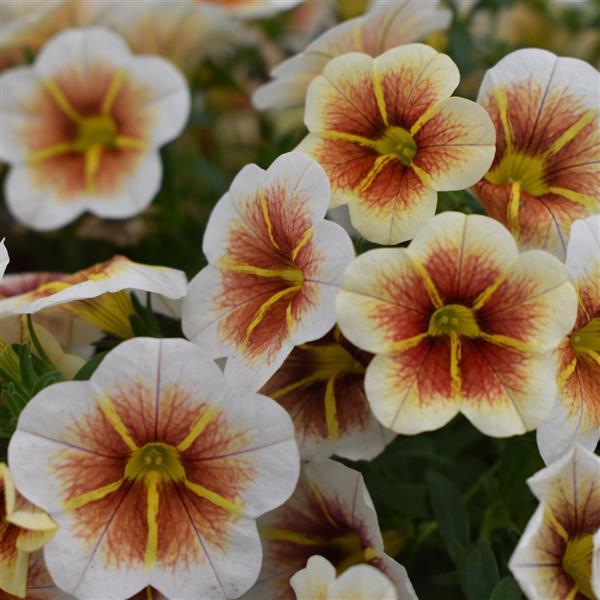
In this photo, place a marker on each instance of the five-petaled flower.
(545, 174)
(558, 555)
(389, 137)
(99, 296)
(330, 514)
(24, 528)
(386, 25)
(460, 322)
(81, 128)
(321, 384)
(360, 582)
(155, 472)
(274, 269)
(576, 415)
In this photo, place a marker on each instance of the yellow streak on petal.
(502, 103)
(424, 177)
(455, 353)
(331, 420)
(289, 318)
(93, 495)
(513, 207)
(426, 116)
(265, 212)
(489, 290)
(286, 535)
(321, 502)
(348, 137)
(61, 100)
(130, 143)
(507, 341)
(149, 593)
(578, 197)
(378, 165)
(566, 373)
(50, 152)
(151, 481)
(287, 273)
(595, 356)
(428, 283)
(549, 515)
(110, 412)
(92, 163)
(197, 429)
(572, 593)
(115, 86)
(357, 37)
(379, 97)
(407, 343)
(570, 133)
(216, 499)
(370, 553)
(262, 311)
(293, 386)
(302, 242)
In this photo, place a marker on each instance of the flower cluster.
(330, 404)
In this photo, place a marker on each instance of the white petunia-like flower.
(558, 555)
(81, 128)
(317, 581)
(155, 472)
(385, 26)
(274, 269)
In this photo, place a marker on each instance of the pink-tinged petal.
(535, 304)
(464, 256)
(411, 391)
(330, 514)
(456, 145)
(274, 269)
(545, 175)
(383, 303)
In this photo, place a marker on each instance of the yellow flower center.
(161, 460)
(518, 167)
(587, 339)
(454, 318)
(399, 143)
(577, 562)
(97, 131)
(333, 358)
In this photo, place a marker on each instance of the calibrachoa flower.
(330, 514)
(98, 295)
(155, 472)
(274, 269)
(361, 582)
(576, 415)
(544, 175)
(558, 555)
(389, 137)
(81, 128)
(460, 322)
(385, 26)
(24, 528)
(321, 385)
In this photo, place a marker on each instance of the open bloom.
(576, 415)
(389, 137)
(321, 385)
(81, 128)
(558, 555)
(330, 514)
(97, 295)
(361, 582)
(460, 322)
(274, 269)
(155, 472)
(545, 174)
(385, 26)
(24, 528)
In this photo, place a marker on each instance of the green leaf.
(28, 374)
(45, 380)
(506, 589)
(450, 514)
(480, 572)
(90, 366)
